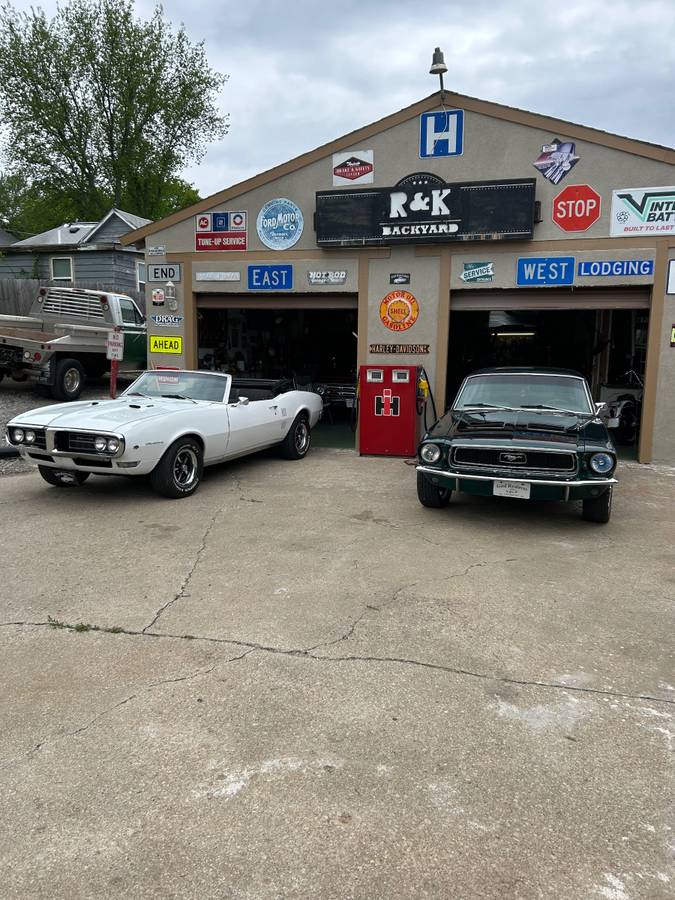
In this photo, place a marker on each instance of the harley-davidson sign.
(423, 209)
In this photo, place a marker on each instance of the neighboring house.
(6, 238)
(82, 254)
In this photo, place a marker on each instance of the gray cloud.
(303, 73)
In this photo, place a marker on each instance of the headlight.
(29, 437)
(113, 445)
(602, 463)
(100, 444)
(430, 453)
(17, 435)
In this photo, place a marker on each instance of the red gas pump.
(391, 405)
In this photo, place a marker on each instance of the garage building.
(454, 234)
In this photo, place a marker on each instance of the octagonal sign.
(576, 207)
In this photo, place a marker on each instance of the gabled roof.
(6, 238)
(72, 235)
(559, 127)
(130, 219)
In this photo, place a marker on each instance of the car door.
(135, 339)
(253, 425)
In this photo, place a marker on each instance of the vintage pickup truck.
(63, 340)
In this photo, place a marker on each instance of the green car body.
(537, 453)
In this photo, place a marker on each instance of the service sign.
(477, 271)
(353, 168)
(221, 231)
(643, 211)
(423, 209)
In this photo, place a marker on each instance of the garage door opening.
(316, 348)
(608, 347)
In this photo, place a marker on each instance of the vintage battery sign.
(160, 343)
(643, 211)
(223, 230)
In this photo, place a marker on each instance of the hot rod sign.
(423, 209)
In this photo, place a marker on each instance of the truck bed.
(27, 334)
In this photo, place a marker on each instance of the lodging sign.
(423, 209)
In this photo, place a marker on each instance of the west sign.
(423, 209)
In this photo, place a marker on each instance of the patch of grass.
(82, 626)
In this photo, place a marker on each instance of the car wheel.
(61, 477)
(179, 471)
(598, 509)
(68, 379)
(430, 494)
(297, 442)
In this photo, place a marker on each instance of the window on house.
(140, 276)
(62, 268)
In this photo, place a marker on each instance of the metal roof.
(74, 234)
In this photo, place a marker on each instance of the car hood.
(103, 415)
(526, 425)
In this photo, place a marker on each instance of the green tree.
(101, 108)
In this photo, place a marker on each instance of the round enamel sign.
(399, 310)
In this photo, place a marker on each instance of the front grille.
(514, 458)
(75, 442)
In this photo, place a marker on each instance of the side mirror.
(599, 406)
(243, 401)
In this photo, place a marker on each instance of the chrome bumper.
(577, 482)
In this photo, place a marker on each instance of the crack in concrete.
(306, 653)
(186, 581)
(148, 688)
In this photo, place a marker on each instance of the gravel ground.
(17, 397)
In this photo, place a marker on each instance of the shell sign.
(399, 310)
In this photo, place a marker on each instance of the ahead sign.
(576, 207)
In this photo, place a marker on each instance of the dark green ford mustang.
(528, 433)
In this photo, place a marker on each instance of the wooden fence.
(17, 295)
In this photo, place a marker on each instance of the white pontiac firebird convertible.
(167, 424)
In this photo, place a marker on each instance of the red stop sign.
(576, 207)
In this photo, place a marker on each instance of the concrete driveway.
(301, 683)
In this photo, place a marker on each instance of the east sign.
(423, 209)
(576, 207)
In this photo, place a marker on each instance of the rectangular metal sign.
(398, 348)
(164, 272)
(160, 343)
(442, 133)
(270, 278)
(670, 287)
(114, 345)
(535, 271)
(218, 276)
(615, 267)
(648, 210)
(417, 211)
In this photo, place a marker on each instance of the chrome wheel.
(71, 380)
(185, 468)
(302, 436)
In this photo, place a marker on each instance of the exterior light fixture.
(438, 66)
(170, 293)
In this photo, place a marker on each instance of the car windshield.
(524, 391)
(179, 386)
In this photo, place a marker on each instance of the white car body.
(147, 426)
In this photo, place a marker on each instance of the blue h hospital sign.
(442, 133)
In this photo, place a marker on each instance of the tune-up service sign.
(221, 230)
(280, 224)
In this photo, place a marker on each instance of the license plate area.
(518, 489)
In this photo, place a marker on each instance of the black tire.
(179, 471)
(69, 379)
(430, 494)
(62, 478)
(297, 442)
(598, 509)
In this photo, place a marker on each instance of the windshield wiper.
(486, 406)
(551, 408)
(178, 397)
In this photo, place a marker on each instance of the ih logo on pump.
(386, 405)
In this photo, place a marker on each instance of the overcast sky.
(302, 73)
